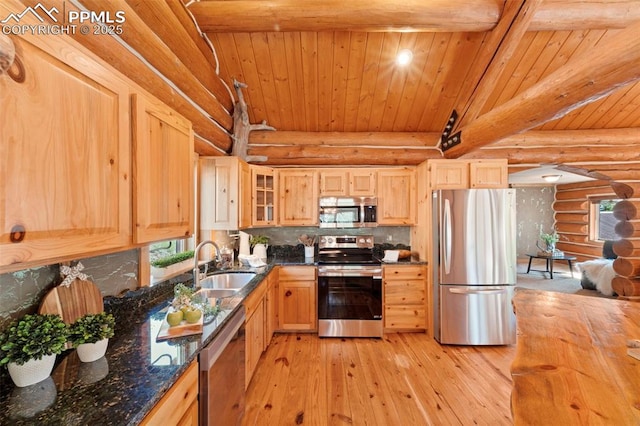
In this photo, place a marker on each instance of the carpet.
(561, 282)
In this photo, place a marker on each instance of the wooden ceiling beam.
(162, 20)
(409, 15)
(144, 41)
(495, 52)
(610, 65)
(117, 56)
(559, 154)
(314, 155)
(575, 138)
(338, 15)
(408, 139)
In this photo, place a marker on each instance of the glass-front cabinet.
(263, 200)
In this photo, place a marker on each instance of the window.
(166, 248)
(601, 220)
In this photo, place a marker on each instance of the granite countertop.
(124, 385)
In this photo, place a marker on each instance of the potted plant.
(550, 241)
(28, 347)
(171, 264)
(90, 335)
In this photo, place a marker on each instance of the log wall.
(571, 209)
(571, 216)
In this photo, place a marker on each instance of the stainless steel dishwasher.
(222, 366)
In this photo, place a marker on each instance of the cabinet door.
(263, 200)
(245, 196)
(396, 197)
(254, 332)
(362, 183)
(297, 302)
(334, 183)
(163, 171)
(449, 174)
(298, 194)
(489, 174)
(65, 163)
(176, 406)
(272, 307)
(220, 194)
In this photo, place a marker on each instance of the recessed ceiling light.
(551, 178)
(404, 57)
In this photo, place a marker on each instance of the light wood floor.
(402, 379)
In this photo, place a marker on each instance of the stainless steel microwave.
(348, 212)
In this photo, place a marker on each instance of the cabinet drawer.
(405, 317)
(404, 292)
(408, 272)
(297, 273)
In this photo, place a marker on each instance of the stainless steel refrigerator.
(474, 266)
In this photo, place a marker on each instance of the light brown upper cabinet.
(65, 166)
(489, 174)
(396, 196)
(163, 171)
(342, 182)
(263, 200)
(460, 174)
(298, 195)
(225, 193)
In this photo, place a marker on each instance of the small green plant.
(91, 328)
(258, 239)
(173, 259)
(32, 337)
(550, 239)
(186, 297)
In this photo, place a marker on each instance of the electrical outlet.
(389, 238)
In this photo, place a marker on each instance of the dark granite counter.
(122, 387)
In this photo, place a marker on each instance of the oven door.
(349, 305)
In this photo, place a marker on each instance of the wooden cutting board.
(78, 299)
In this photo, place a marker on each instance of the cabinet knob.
(288, 293)
(17, 233)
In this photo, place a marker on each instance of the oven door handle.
(374, 274)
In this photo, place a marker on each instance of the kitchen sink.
(230, 281)
(216, 293)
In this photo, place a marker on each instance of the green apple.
(193, 316)
(175, 318)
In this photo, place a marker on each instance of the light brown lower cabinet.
(259, 326)
(297, 298)
(179, 406)
(405, 297)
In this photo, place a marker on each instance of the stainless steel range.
(349, 287)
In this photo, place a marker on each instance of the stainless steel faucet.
(196, 269)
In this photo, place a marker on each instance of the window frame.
(594, 216)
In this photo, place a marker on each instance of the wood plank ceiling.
(344, 81)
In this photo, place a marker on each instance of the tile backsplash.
(22, 291)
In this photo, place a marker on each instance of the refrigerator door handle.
(475, 291)
(447, 236)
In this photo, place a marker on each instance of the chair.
(607, 253)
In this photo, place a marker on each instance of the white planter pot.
(171, 269)
(89, 352)
(32, 371)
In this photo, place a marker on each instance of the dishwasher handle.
(210, 354)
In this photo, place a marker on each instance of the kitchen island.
(571, 364)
